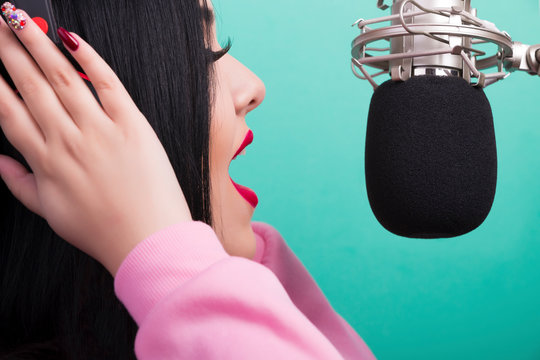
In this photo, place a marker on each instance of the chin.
(232, 215)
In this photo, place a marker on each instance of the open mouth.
(248, 194)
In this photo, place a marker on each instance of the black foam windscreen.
(431, 158)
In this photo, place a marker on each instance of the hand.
(100, 176)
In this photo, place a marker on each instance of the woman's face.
(237, 91)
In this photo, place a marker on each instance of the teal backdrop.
(472, 297)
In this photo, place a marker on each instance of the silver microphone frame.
(458, 36)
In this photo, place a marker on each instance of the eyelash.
(216, 55)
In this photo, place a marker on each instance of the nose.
(247, 89)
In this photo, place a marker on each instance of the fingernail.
(7, 8)
(68, 39)
(14, 17)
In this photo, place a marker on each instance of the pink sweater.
(192, 300)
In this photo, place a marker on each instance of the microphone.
(431, 157)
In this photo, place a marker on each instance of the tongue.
(248, 194)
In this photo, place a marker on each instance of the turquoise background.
(472, 297)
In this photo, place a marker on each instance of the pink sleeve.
(193, 301)
(274, 253)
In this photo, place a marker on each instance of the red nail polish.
(68, 40)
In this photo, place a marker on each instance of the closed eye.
(216, 55)
(209, 20)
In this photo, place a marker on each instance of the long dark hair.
(55, 301)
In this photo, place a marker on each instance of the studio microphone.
(430, 157)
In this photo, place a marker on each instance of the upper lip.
(247, 140)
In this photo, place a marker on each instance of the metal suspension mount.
(438, 37)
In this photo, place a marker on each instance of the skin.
(238, 91)
(86, 186)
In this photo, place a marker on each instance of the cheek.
(222, 136)
(223, 123)
(230, 212)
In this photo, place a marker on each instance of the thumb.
(20, 182)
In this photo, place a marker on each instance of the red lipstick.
(248, 194)
(248, 140)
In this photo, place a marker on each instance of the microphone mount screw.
(381, 5)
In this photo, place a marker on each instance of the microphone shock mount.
(438, 37)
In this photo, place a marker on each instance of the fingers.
(18, 124)
(20, 182)
(115, 99)
(50, 85)
(66, 82)
(36, 91)
(59, 72)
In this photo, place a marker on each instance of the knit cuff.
(163, 262)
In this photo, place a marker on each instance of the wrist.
(122, 245)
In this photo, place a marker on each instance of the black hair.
(55, 301)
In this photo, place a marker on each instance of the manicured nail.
(68, 39)
(7, 8)
(14, 17)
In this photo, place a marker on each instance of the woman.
(141, 204)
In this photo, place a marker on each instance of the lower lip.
(248, 194)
